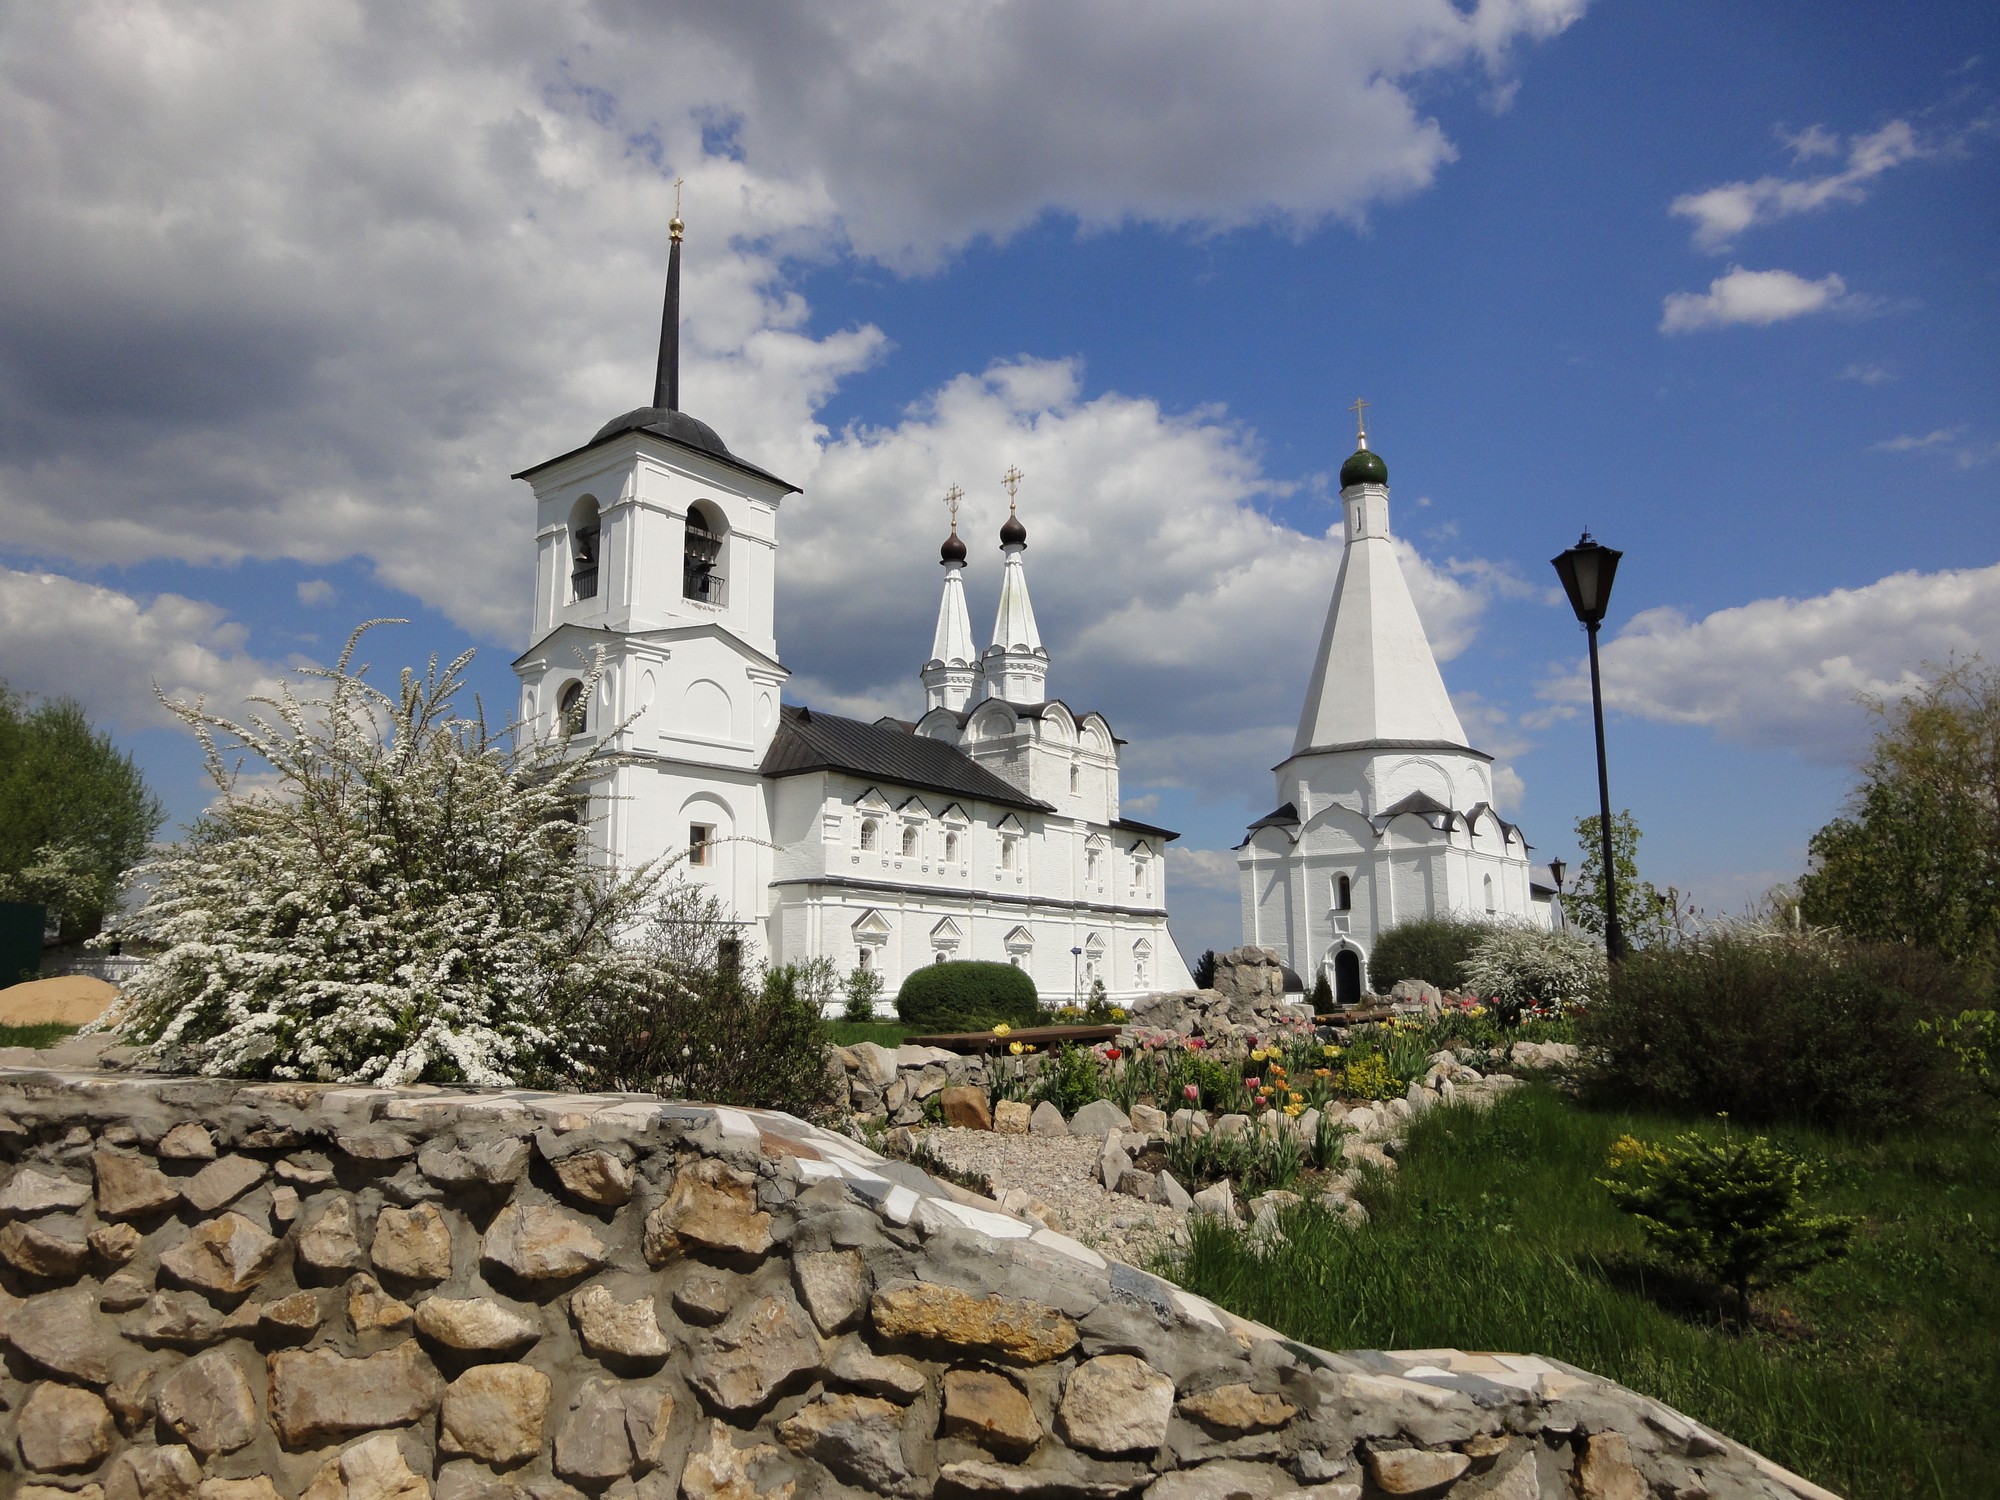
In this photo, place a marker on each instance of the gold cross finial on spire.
(674, 225)
(1359, 408)
(1012, 480)
(951, 498)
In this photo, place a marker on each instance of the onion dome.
(1013, 533)
(952, 553)
(1363, 467)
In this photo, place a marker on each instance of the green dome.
(1363, 467)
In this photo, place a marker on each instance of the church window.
(585, 530)
(1075, 778)
(868, 831)
(910, 840)
(951, 848)
(1007, 842)
(1142, 875)
(701, 836)
(572, 710)
(938, 957)
(864, 958)
(701, 560)
(1343, 894)
(1090, 864)
(1489, 893)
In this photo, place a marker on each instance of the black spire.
(667, 379)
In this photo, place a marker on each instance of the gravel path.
(1061, 1172)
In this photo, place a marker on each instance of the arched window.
(1142, 875)
(701, 559)
(909, 840)
(1090, 864)
(1007, 851)
(1489, 893)
(1343, 894)
(584, 530)
(864, 958)
(1075, 778)
(868, 830)
(951, 848)
(572, 711)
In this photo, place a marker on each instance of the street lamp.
(1556, 868)
(1076, 984)
(1586, 571)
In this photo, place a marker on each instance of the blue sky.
(293, 290)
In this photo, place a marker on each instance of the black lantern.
(1556, 868)
(1586, 571)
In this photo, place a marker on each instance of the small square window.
(701, 839)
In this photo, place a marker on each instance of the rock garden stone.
(225, 1255)
(1233, 1410)
(29, 1192)
(1099, 1117)
(712, 1206)
(131, 1188)
(833, 1285)
(624, 1330)
(1415, 1471)
(758, 1350)
(62, 1428)
(1112, 1163)
(1003, 1327)
(1167, 1191)
(413, 1243)
(223, 1182)
(320, 1394)
(858, 1437)
(1116, 1403)
(1228, 1127)
(1217, 1200)
(1047, 1120)
(59, 1331)
(538, 1243)
(985, 1407)
(187, 1142)
(209, 1404)
(165, 1473)
(475, 1325)
(596, 1177)
(332, 1243)
(1011, 1116)
(372, 1310)
(1149, 1119)
(54, 1249)
(495, 1413)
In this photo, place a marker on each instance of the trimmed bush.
(1516, 967)
(969, 995)
(1433, 949)
(1771, 1028)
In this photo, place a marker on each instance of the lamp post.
(1556, 868)
(1076, 982)
(1586, 571)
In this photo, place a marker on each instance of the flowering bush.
(1516, 967)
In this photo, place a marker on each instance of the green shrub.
(1732, 1210)
(1322, 995)
(1765, 1027)
(1433, 949)
(864, 988)
(1070, 1079)
(1516, 967)
(968, 996)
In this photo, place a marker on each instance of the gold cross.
(1360, 425)
(1012, 480)
(951, 498)
(677, 195)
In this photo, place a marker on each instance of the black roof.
(1279, 817)
(808, 741)
(675, 427)
(1133, 825)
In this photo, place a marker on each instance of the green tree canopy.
(1648, 916)
(75, 814)
(1916, 857)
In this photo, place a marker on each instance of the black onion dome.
(1363, 467)
(952, 553)
(677, 425)
(1013, 534)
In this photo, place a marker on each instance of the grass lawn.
(43, 1034)
(886, 1033)
(1875, 1376)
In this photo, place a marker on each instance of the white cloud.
(1758, 298)
(1863, 373)
(1206, 900)
(106, 649)
(1722, 213)
(1952, 442)
(1787, 673)
(315, 591)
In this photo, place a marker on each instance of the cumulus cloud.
(1787, 673)
(316, 591)
(1720, 214)
(107, 649)
(1951, 442)
(1758, 298)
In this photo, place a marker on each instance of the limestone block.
(1191, 1121)
(1168, 1192)
(54, 1249)
(59, 1331)
(719, 1470)
(376, 1145)
(597, 1177)
(165, 1473)
(121, 1292)
(1116, 1403)
(115, 1244)
(224, 1255)
(257, 1488)
(758, 1350)
(857, 1367)
(1607, 1471)
(833, 1285)
(1226, 1479)
(305, 1171)
(858, 1437)
(979, 1477)
(131, 1188)
(414, 1243)
(320, 1394)
(595, 1443)
(1148, 1118)
(495, 1161)
(284, 1204)
(624, 1330)
(187, 1142)
(1415, 1471)
(209, 1404)
(1113, 1162)
(1011, 1329)
(705, 1298)
(373, 1469)
(985, 1407)
(180, 1319)
(1233, 1410)
(332, 1242)
(372, 1310)
(495, 1413)
(1047, 1120)
(29, 1193)
(712, 1206)
(965, 1107)
(1218, 1200)
(1099, 1117)
(1229, 1126)
(63, 1428)
(475, 1325)
(539, 1243)
(299, 1313)
(1011, 1116)
(223, 1181)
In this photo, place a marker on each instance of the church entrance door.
(1347, 977)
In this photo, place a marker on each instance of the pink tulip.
(1192, 1092)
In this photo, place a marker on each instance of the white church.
(987, 828)
(1385, 810)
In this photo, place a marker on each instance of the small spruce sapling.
(1734, 1210)
(1322, 995)
(864, 988)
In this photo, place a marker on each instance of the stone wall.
(221, 1292)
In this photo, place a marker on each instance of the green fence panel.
(20, 940)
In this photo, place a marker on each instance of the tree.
(1648, 916)
(1916, 856)
(1204, 970)
(75, 814)
(413, 900)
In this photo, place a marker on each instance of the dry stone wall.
(267, 1292)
